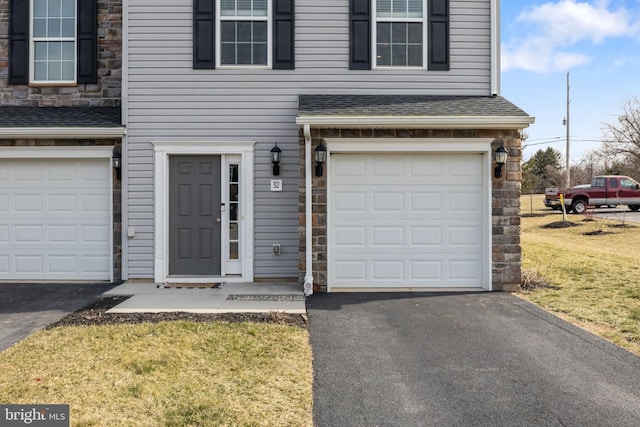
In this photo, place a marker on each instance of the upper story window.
(53, 41)
(245, 32)
(399, 34)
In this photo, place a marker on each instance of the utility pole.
(567, 123)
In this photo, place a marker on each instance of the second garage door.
(407, 221)
(56, 219)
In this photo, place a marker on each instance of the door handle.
(217, 219)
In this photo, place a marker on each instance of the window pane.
(68, 70)
(39, 8)
(415, 56)
(228, 53)
(244, 31)
(415, 32)
(233, 212)
(233, 190)
(40, 71)
(55, 8)
(228, 7)
(233, 250)
(399, 33)
(260, 54)
(55, 51)
(384, 32)
(228, 31)
(244, 53)
(414, 9)
(233, 231)
(40, 51)
(244, 7)
(260, 32)
(398, 55)
(383, 8)
(68, 27)
(399, 8)
(384, 54)
(233, 173)
(55, 71)
(54, 29)
(68, 51)
(68, 8)
(260, 7)
(39, 28)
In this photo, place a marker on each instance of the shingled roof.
(410, 111)
(59, 117)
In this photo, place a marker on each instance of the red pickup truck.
(606, 190)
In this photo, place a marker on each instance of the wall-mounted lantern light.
(321, 157)
(117, 161)
(501, 160)
(276, 153)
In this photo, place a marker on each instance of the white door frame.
(71, 152)
(162, 151)
(422, 145)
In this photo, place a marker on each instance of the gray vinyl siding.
(168, 100)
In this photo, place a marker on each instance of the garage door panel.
(410, 221)
(56, 222)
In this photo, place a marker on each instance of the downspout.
(308, 275)
(495, 47)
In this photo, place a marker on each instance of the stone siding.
(506, 249)
(105, 93)
(117, 188)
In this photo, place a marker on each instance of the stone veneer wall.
(105, 93)
(507, 252)
(117, 189)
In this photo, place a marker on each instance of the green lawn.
(166, 374)
(592, 269)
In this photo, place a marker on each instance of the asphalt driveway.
(27, 307)
(483, 359)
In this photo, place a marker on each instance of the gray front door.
(194, 215)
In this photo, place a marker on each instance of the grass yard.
(166, 374)
(593, 277)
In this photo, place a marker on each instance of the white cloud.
(552, 31)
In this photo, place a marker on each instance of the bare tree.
(622, 139)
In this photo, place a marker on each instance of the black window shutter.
(87, 41)
(204, 42)
(283, 35)
(360, 34)
(18, 42)
(438, 35)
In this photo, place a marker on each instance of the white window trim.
(374, 38)
(162, 151)
(424, 145)
(218, 29)
(32, 48)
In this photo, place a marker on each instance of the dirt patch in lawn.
(96, 314)
(561, 224)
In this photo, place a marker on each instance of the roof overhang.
(62, 132)
(415, 122)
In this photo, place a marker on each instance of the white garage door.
(407, 221)
(55, 219)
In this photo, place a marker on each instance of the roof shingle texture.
(406, 105)
(38, 117)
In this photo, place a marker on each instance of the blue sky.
(597, 41)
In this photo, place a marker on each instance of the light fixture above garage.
(501, 156)
(117, 161)
(276, 153)
(321, 157)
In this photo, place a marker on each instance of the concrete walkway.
(284, 297)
